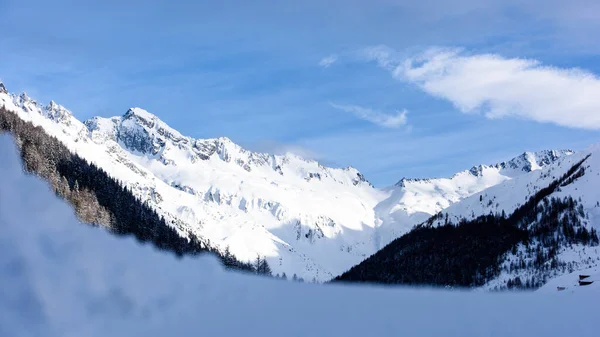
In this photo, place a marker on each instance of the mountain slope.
(63, 279)
(98, 199)
(305, 218)
(412, 201)
(281, 207)
(519, 233)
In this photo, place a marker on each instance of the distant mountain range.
(304, 218)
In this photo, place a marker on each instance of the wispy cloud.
(326, 62)
(394, 120)
(382, 54)
(500, 87)
(281, 148)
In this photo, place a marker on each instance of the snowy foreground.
(62, 278)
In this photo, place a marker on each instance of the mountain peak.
(151, 123)
(525, 162)
(141, 116)
(25, 97)
(3, 88)
(57, 112)
(530, 161)
(52, 106)
(140, 113)
(402, 182)
(224, 140)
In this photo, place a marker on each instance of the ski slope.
(63, 278)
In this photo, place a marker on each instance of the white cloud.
(383, 55)
(376, 117)
(280, 148)
(504, 87)
(328, 61)
(283, 149)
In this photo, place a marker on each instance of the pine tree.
(264, 268)
(257, 264)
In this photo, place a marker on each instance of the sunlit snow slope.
(62, 278)
(307, 219)
(412, 201)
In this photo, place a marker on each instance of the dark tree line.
(472, 252)
(99, 199)
(464, 255)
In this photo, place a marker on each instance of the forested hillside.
(474, 252)
(101, 200)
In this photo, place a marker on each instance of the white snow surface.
(305, 218)
(63, 278)
(570, 282)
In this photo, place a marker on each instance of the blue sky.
(394, 88)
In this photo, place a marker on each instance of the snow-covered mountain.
(511, 194)
(412, 201)
(581, 186)
(307, 219)
(516, 234)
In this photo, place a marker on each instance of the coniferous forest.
(473, 252)
(99, 199)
